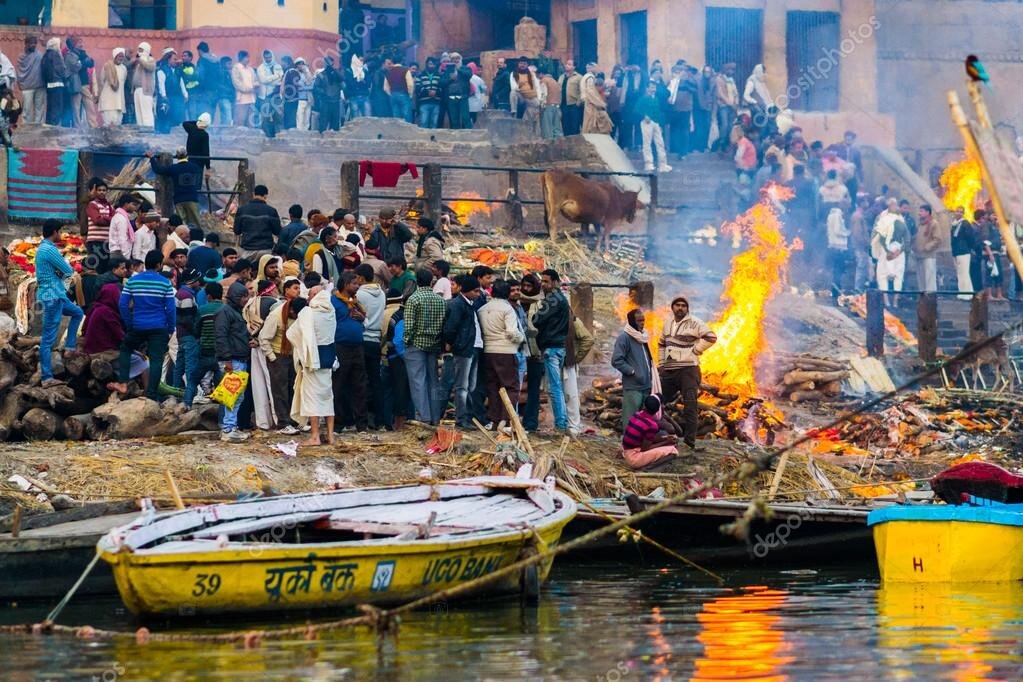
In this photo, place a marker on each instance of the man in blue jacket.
(149, 316)
(51, 272)
(187, 176)
(350, 378)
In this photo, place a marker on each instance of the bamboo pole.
(520, 432)
(973, 149)
(175, 495)
(782, 463)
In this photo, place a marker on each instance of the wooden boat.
(796, 534)
(336, 549)
(968, 539)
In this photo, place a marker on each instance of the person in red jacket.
(99, 211)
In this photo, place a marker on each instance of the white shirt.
(442, 287)
(476, 321)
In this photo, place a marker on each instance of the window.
(152, 15)
(812, 56)
(584, 42)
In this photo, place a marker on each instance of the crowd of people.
(332, 317)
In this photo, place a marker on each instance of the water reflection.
(962, 632)
(742, 637)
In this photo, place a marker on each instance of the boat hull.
(272, 577)
(948, 551)
(981, 542)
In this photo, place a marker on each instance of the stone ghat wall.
(304, 167)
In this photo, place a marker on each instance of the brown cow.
(586, 202)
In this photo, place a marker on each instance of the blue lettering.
(470, 567)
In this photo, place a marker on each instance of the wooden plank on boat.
(86, 511)
(246, 526)
(502, 482)
(385, 528)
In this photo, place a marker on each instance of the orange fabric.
(638, 458)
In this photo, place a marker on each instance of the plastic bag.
(230, 389)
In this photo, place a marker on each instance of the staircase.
(687, 200)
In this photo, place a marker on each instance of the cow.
(586, 202)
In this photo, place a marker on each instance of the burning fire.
(756, 277)
(961, 181)
(466, 209)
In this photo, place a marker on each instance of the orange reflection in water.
(741, 638)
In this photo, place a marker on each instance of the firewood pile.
(723, 414)
(80, 407)
(805, 378)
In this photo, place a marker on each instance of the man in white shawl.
(888, 248)
(312, 342)
(756, 96)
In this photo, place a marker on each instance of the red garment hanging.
(385, 173)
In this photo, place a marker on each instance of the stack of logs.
(805, 378)
(80, 407)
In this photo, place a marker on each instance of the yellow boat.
(949, 543)
(336, 549)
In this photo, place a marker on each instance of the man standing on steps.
(571, 99)
(683, 340)
(258, 224)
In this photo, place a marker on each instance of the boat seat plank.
(246, 526)
(385, 528)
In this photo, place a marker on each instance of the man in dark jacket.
(206, 257)
(198, 142)
(462, 336)
(500, 91)
(203, 97)
(350, 378)
(428, 94)
(631, 357)
(552, 323)
(258, 223)
(78, 64)
(234, 346)
(391, 235)
(187, 176)
(327, 88)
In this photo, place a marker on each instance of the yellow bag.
(230, 389)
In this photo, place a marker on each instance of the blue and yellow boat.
(336, 549)
(970, 538)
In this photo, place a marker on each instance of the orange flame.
(962, 183)
(756, 277)
(465, 210)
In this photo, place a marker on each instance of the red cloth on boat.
(981, 479)
(385, 173)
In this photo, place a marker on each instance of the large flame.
(962, 183)
(757, 276)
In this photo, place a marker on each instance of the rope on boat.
(383, 621)
(71, 593)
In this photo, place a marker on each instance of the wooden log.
(42, 424)
(582, 304)
(54, 396)
(143, 418)
(831, 389)
(77, 364)
(103, 366)
(805, 386)
(819, 365)
(804, 396)
(713, 409)
(11, 410)
(76, 427)
(978, 318)
(802, 376)
(8, 374)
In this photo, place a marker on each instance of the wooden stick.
(520, 432)
(782, 463)
(16, 520)
(175, 495)
(484, 431)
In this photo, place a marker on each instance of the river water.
(599, 621)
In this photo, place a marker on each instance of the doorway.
(735, 35)
(632, 32)
(584, 42)
(812, 54)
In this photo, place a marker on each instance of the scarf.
(350, 301)
(358, 69)
(271, 290)
(644, 338)
(328, 258)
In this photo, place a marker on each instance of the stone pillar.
(875, 323)
(432, 191)
(607, 34)
(642, 294)
(350, 186)
(857, 85)
(774, 48)
(582, 303)
(560, 30)
(530, 37)
(927, 326)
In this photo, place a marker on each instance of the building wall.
(921, 47)
(294, 14)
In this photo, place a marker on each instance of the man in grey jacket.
(30, 79)
(233, 344)
(631, 356)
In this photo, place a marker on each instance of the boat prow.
(336, 549)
